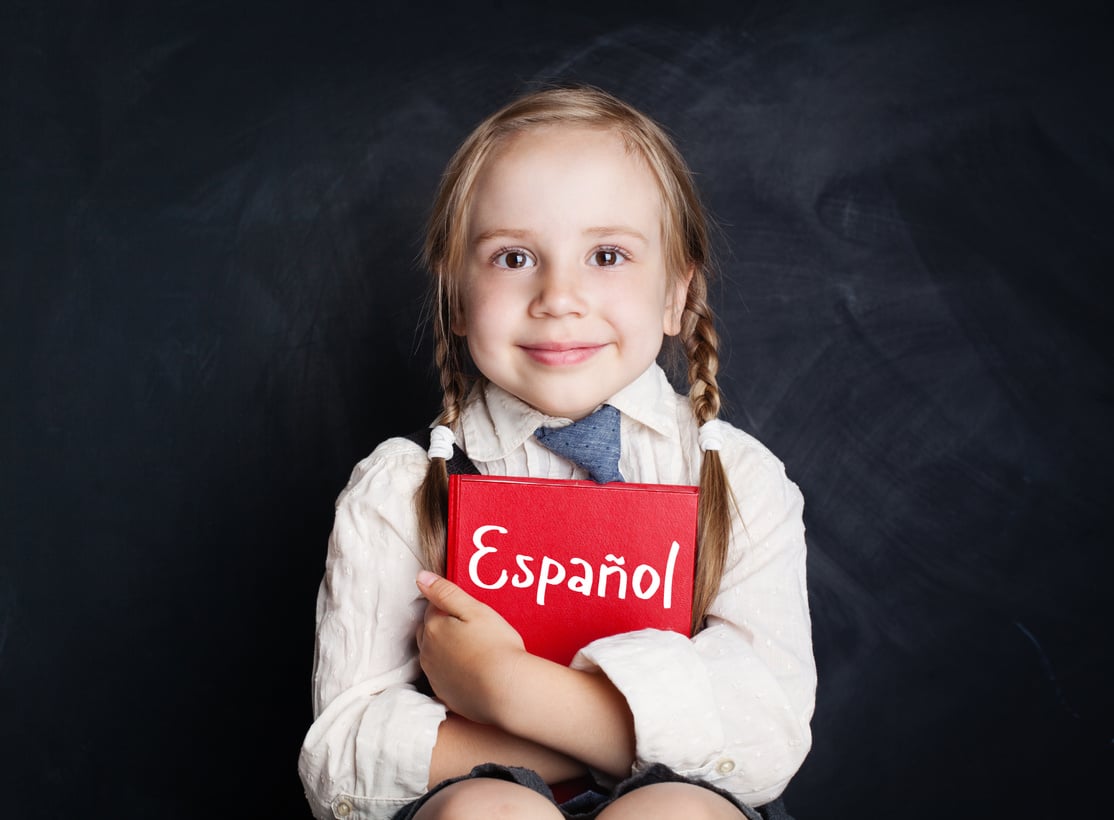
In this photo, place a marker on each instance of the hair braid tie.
(711, 434)
(441, 441)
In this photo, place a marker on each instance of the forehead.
(564, 172)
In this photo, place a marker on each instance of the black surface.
(209, 295)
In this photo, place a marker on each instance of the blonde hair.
(686, 238)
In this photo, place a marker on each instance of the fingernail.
(425, 578)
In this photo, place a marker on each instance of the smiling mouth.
(562, 354)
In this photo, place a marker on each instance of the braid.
(713, 530)
(433, 496)
(701, 342)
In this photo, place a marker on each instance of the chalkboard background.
(210, 309)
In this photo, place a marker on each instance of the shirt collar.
(649, 400)
(497, 423)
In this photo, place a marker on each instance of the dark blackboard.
(210, 310)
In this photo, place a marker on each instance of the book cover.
(567, 562)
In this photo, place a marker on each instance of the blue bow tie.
(592, 443)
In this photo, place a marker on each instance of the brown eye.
(513, 260)
(608, 257)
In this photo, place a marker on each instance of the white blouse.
(731, 705)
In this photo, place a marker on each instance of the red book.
(567, 562)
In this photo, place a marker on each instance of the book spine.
(450, 527)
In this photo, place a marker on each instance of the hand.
(468, 651)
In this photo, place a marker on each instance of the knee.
(486, 799)
(664, 801)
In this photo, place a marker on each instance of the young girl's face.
(565, 295)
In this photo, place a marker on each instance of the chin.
(566, 411)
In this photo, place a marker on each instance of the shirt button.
(344, 808)
(725, 766)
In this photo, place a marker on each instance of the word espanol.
(645, 581)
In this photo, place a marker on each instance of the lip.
(556, 354)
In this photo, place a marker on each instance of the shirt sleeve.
(731, 705)
(368, 750)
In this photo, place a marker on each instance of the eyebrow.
(516, 233)
(510, 233)
(611, 230)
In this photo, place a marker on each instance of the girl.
(566, 242)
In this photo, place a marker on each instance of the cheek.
(481, 313)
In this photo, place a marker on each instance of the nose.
(560, 292)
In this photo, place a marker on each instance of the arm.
(476, 663)
(733, 704)
(372, 733)
(462, 744)
(376, 742)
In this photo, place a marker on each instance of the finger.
(445, 595)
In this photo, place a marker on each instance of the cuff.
(663, 680)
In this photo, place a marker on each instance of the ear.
(455, 309)
(457, 324)
(676, 295)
